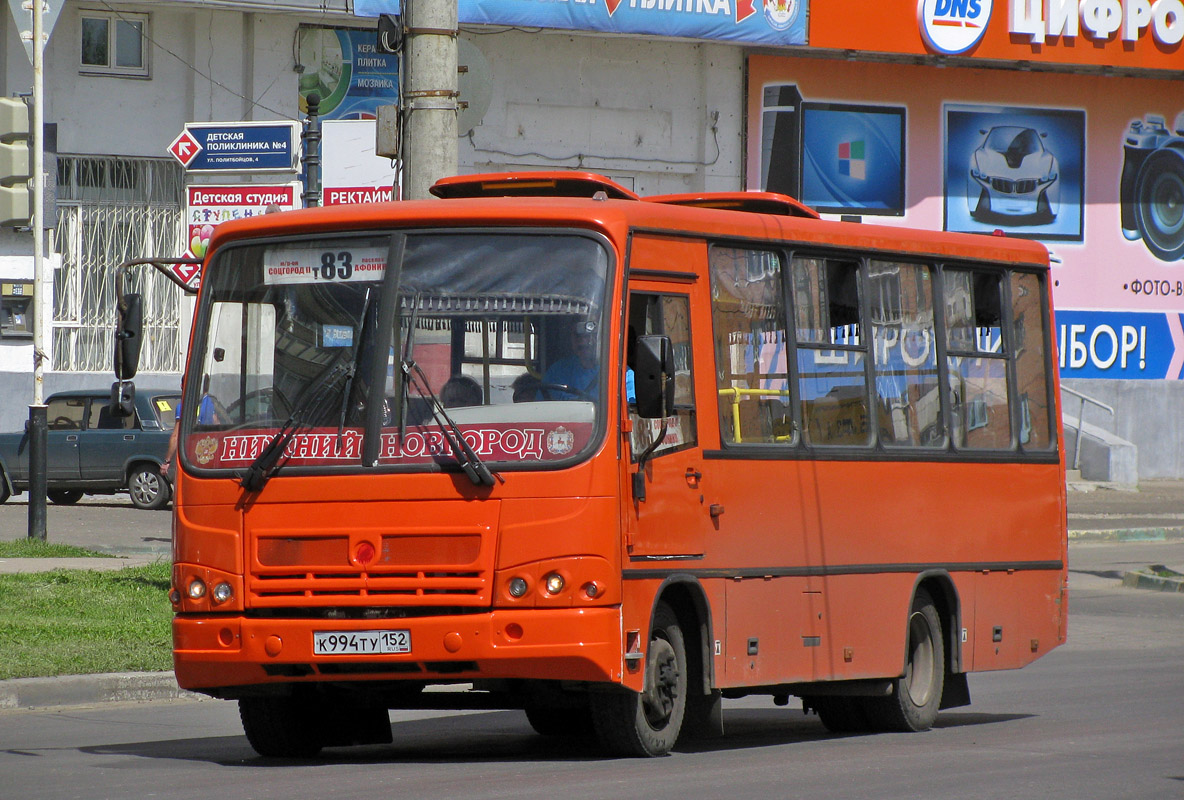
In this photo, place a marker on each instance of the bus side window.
(751, 347)
(667, 314)
(976, 360)
(831, 351)
(1028, 340)
(904, 351)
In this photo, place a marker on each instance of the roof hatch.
(752, 202)
(530, 184)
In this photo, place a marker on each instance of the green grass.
(35, 548)
(72, 622)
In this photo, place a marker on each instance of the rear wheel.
(916, 696)
(842, 714)
(64, 497)
(280, 727)
(147, 487)
(647, 724)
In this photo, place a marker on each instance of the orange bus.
(450, 454)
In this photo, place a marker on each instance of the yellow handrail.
(736, 393)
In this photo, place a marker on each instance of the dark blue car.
(90, 450)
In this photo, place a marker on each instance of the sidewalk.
(1153, 513)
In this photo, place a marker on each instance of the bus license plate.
(351, 643)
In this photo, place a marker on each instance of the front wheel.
(147, 487)
(647, 724)
(280, 727)
(916, 696)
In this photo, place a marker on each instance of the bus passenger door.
(671, 516)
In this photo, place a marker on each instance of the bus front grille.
(391, 569)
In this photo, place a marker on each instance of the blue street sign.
(237, 147)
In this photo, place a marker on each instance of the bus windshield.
(494, 337)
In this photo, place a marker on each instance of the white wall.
(634, 108)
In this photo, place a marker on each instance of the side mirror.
(653, 377)
(123, 398)
(128, 335)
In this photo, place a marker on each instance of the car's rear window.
(165, 409)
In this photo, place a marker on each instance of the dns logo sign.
(953, 26)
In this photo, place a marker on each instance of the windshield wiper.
(264, 465)
(466, 456)
(404, 371)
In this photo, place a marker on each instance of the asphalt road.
(1097, 718)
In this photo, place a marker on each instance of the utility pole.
(429, 96)
(38, 422)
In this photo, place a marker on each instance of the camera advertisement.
(1092, 167)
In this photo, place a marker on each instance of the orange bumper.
(223, 652)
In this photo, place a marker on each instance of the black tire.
(64, 497)
(147, 487)
(281, 727)
(1159, 204)
(561, 721)
(4, 492)
(916, 695)
(842, 714)
(648, 724)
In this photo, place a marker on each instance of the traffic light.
(16, 194)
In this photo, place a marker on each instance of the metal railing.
(1081, 419)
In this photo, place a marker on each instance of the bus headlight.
(222, 592)
(517, 587)
(553, 583)
(197, 589)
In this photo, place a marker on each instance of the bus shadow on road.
(751, 728)
(505, 736)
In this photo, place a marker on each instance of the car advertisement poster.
(1015, 169)
(1091, 166)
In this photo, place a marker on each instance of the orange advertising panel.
(1135, 34)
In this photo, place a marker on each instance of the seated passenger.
(461, 390)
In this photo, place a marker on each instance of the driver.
(578, 370)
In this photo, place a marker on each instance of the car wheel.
(147, 487)
(64, 497)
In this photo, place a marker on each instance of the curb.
(1145, 580)
(81, 690)
(1158, 534)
